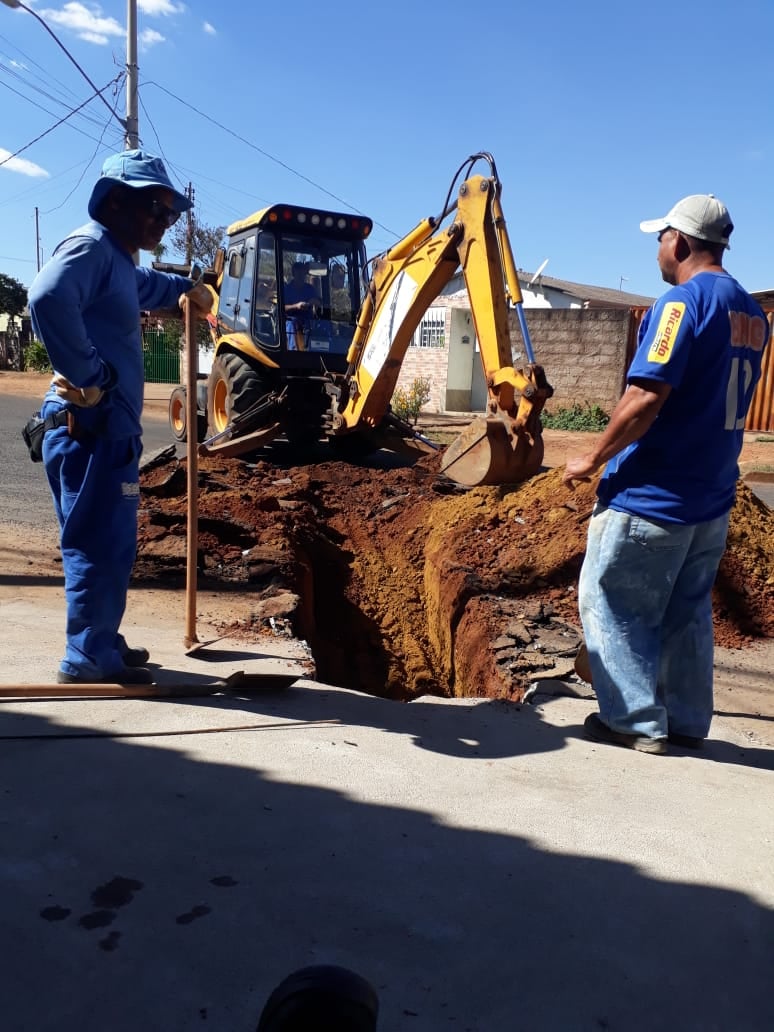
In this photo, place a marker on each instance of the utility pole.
(37, 239)
(189, 226)
(132, 137)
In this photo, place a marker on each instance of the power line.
(44, 74)
(70, 57)
(9, 70)
(56, 126)
(86, 166)
(265, 154)
(76, 128)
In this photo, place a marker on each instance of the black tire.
(233, 386)
(178, 414)
(178, 417)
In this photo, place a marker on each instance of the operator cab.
(293, 279)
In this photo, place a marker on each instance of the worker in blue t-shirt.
(659, 527)
(85, 305)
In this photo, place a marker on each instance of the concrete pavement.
(166, 863)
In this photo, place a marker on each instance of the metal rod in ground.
(192, 526)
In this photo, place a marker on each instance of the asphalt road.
(24, 498)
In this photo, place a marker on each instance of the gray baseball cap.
(137, 169)
(700, 215)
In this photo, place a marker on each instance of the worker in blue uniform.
(85, 305)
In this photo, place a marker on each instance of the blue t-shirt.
(85, 305)
(705, 338)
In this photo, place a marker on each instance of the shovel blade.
(242, 682)
(487, 452)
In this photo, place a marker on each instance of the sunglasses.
(159, 211)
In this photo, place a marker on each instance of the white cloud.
(160, 8)
(87, 23)
(21, 165)
(149, 37)
(210, 29)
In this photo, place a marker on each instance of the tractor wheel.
(178, 414)
(178, 417)
(233, 386)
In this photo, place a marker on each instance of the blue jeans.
(95, 487)
(645, 599)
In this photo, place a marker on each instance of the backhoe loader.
(310, 337)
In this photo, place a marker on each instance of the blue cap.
(137, 169)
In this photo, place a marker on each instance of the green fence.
(161, 357)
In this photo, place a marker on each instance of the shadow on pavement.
(172, 886)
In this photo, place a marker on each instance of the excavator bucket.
(488, 451)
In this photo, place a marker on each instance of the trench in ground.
(401, 584)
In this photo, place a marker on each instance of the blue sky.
(598, 115)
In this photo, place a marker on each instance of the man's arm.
(634, 414)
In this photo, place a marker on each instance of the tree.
(13, 298)
(196, 241)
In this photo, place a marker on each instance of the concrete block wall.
(583, 352)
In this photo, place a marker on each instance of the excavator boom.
(506, 445)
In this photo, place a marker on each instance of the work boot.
(135, 657)
(598, 731)
(129, 675)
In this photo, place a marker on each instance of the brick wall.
(583, 352)
(431, 363)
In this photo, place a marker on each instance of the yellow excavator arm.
(506, 445)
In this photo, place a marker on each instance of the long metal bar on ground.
(238, 682)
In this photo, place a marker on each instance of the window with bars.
(431, 332)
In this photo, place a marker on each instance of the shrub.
(36, 358)
(407, 403)
(578, 417)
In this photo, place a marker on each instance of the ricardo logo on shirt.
(666, 332)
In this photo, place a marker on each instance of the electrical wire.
(89, 162)
(14, 74)
(262, 152)
(57, 124)
(77, 129)
(42, 74)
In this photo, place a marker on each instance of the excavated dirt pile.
(404, 584)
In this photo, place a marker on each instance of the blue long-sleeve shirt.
(85, 305)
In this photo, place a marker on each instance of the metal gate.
(161, 357)
(761, 414)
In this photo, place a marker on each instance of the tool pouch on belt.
(34, 430)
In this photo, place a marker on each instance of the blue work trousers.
(95, 486)
(645, 599)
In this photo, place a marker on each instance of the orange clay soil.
(404, 584)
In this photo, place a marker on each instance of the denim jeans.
(645, 599)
